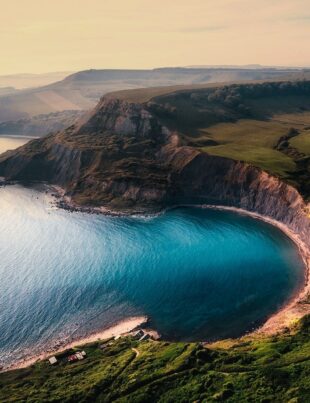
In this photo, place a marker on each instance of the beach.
(121, 328)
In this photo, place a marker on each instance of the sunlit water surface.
(10, 142)
(197, 274)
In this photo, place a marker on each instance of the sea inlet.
(197, 274)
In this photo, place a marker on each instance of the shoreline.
(118, 329)
(279, 321)
(65, 203)
(293, 309)
(285, 317)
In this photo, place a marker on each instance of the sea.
(197, 274)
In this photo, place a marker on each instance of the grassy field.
(254, 141)
(269, 160)
(302, 142)
(148, 94)
(254, 133)
(273, 369)
(264, 124)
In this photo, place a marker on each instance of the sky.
(38, 36)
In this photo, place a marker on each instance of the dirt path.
(136, 351)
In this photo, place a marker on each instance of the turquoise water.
(197, 274)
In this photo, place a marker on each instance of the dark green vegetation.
(83, 90)
(275, 369)
(265, 124)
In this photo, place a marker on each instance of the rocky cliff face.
(112, 157)
(218, 181)
(123, 157)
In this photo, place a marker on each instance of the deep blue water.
(197, 273)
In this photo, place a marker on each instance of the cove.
(198, 274)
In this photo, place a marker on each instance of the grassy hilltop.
(44, 93)
(266, 124)
(275, 369)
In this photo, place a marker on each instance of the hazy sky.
(52, 35)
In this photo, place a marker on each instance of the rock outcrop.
(213, 180)
(123, 157)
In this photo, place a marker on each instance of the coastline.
(120, 328)
(65, 202)
(281, 320)
(295, 308)
(287, 315)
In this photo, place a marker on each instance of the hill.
(263, 124)
(275, 369)
(7, 90)
(40, 125)
(26, 80)
(82, 90)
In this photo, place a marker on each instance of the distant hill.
(94, 83)
(7, 90)
(40, 125)
(82, 90)
(23, 81)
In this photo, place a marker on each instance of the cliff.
(123, 157)
(112, 153)
(219, 181)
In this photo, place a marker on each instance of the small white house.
(138, 334)
(146, 336)
(79, 356)
(53, 360)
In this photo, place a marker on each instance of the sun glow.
(40, 35)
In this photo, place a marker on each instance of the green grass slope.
(264, 124)
(255, 141)
(275, 369)
(302, 142)
(258, 142)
